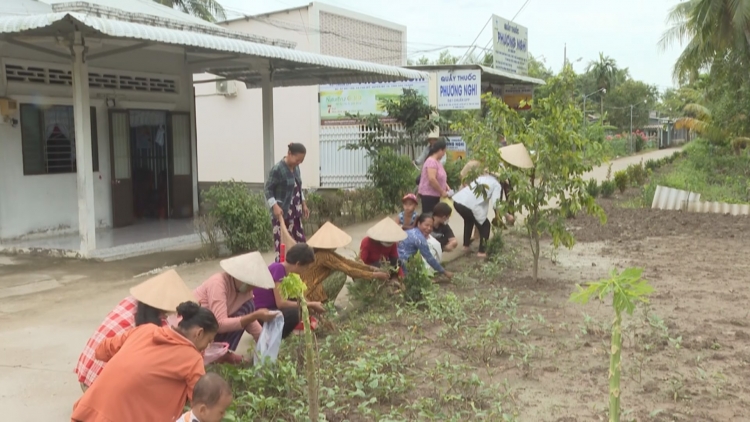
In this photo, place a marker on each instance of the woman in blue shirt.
(416, 241)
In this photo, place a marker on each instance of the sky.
(626, 30)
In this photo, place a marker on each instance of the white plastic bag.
(269, 341)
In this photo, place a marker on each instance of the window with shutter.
(48, 139)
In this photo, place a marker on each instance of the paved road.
(50, 307)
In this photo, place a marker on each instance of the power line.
(476, 38)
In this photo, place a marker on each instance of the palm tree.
(709, 29)
(208, 10)
(606, 74)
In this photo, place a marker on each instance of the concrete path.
(49, 308)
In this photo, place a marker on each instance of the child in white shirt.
(211, 398)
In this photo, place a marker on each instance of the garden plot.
(494, 345)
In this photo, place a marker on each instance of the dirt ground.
(685, 356)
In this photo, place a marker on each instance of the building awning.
(491, 75)
(220, 54)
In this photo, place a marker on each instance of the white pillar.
(189, 87)
(268, 142)
(84, 170)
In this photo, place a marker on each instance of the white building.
(229, 115)
(97, 119)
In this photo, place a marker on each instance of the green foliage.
(637, 174)
(642, 96)
(417, 280)
(344, 207)
(292, 286)
(453, 171)
(592, 187)
(627, 290)
(495, 244)
(416, 117)
(608, 188)
(241, 215)
(392, 174)
(621, 180)
(713, 171)
(553, 131)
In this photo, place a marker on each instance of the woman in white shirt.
(474, 208)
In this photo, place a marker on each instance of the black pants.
(429, 202)
(291, 319)
(469, 223)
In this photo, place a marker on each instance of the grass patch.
(715, 172)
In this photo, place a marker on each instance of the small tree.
(292, 286)
(415, 116)
(555, 187)
(627, 289)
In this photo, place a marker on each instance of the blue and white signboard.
(510, 44)
(459, 89)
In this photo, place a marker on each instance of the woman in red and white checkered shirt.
(149, 302)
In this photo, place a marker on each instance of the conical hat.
(386, 231)
(329, 237)
(516, 155)
(471, 165)
(249, 268)
(164, 292)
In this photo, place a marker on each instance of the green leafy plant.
(627, 289)
(241, 215)
(392, 174)
(417, 279)
(495, 244)
(592, 187)
(561, 155)
(621, 180)
(292, 286)
(608, 188)
(453, 171)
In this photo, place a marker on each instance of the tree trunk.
(614, 369)
(535, 252)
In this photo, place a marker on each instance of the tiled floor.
(141, 238)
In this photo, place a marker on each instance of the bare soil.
(686, 354)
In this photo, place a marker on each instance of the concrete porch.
(142, 238)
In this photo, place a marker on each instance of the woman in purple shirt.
(433, 183)
(297, 258)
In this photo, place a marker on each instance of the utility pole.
(565, 55)
(631, 129)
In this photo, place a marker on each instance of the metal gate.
(340, 167)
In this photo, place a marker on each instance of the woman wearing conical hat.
(229, 295)
(148, 303)
(326, 276)
(380, 246)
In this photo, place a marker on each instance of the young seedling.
(627, 289)
(293, 287)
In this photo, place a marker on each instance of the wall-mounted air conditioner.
(226, 88)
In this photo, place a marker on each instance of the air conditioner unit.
(226, 88)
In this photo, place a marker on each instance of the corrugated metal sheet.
(673, 199)
(281, 58)
(499, 75)
(719, 208)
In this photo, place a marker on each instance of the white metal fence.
(340, 167)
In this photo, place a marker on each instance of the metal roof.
(489, 74)
(24, 7)
(245, 62)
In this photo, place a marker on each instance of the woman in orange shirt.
(151, 370)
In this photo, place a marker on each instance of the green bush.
(592, 187)
(637, 174)
(621, 180)
(393, 174)
(241, 215)
(453, 171)
(495, 244)
(417, 279)
(344, 207)
(608, 188)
